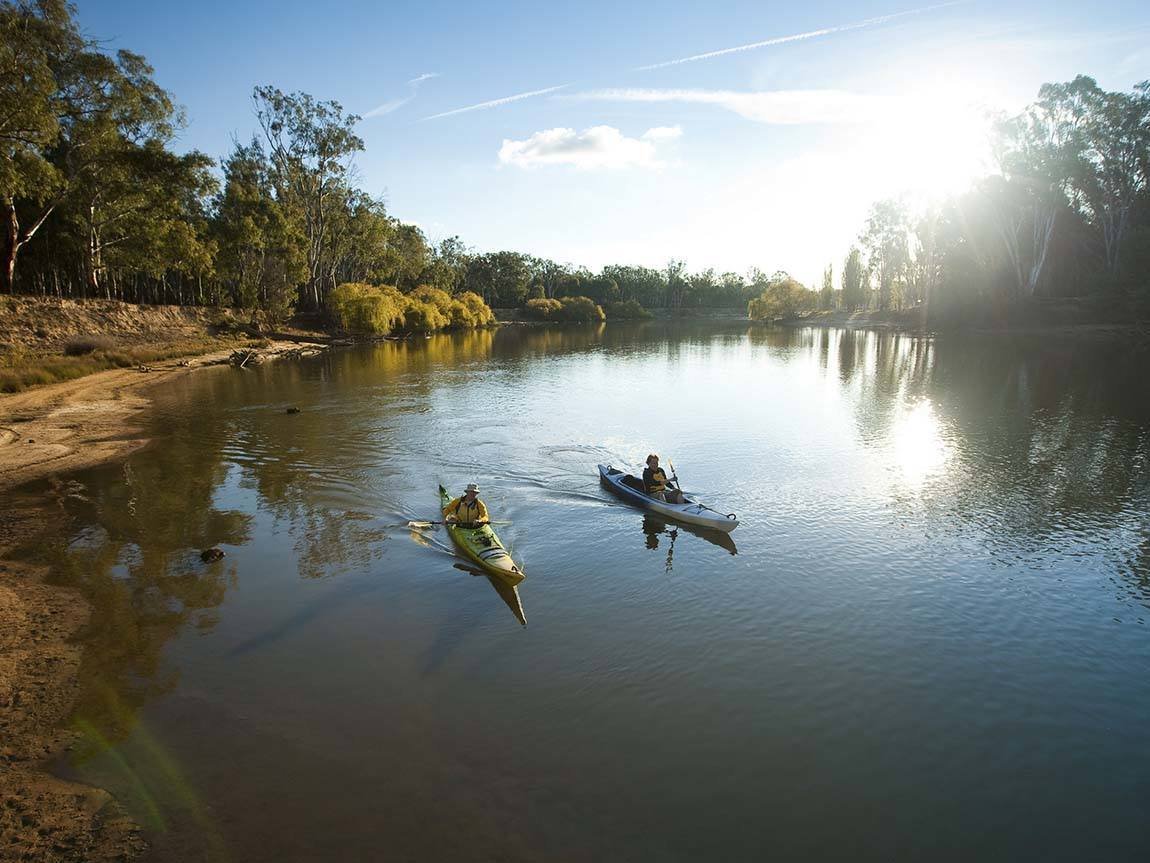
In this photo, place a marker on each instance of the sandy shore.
(44, 432)
(68, 426)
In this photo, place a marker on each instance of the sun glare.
(939, 142)
(919, 448)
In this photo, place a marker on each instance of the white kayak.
(692, 512)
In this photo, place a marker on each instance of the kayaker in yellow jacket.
(468, 509)
(655, 482)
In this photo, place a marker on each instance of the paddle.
(675, 479)
(421, 524)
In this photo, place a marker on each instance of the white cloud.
(663, 133)
(779, 107)
(394, 104)
(597, 147)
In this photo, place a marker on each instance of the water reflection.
(1028, 444)
(919, 446)
(944, 455)
(129, 540)
(508, 593)
(656, 529)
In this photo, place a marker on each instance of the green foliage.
(542, 309)
(580, 310)
(783, 298)
(500, 278)
(260, 242)
(381, 309)
(569, 309)
(310, 147)
(95, 201)
(852, 284)
(627, 310)
(827, 294)
(367, 309)
(33, 36)
(469, 310)
(1135, 265)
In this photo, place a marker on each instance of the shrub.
(783, 298)
(628, 310)
(581, 310)
(77, 346)
(476, 313)
(380, 309)
(367, 309)
(542, 310)
(421, 317)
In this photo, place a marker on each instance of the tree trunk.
(11, 245)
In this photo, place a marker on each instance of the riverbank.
(518, 316)
(44, 432)
(1090, 317)
(43, 817)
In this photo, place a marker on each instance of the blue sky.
(763, 157)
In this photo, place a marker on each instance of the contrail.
(495, 103)
(388, 107)
(797, 37)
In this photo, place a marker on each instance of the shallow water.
(930, 644)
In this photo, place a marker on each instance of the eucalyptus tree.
(260, 257)
(702, 288)
(676, 283)
(1116, 153)
(447, 263)
(312, 146)
(1041, 167)
(852, 281)
(885, 239)
(827, 294)
(546, 276)
(642, 284)
(408, 256)
(35, 37)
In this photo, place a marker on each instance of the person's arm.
(483, 518)
(451, 511)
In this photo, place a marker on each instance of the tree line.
(95, 202)
(1066, 213)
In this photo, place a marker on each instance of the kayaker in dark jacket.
(655, 482)
(468, 509)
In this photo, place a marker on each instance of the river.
(926, 639)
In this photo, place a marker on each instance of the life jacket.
(466, 512)
(658, 481)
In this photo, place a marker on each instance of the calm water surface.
(930, 644)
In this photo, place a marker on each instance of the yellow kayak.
(482, 546)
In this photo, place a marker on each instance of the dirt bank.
(44, 432)
(64, 427)
(43, 817)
